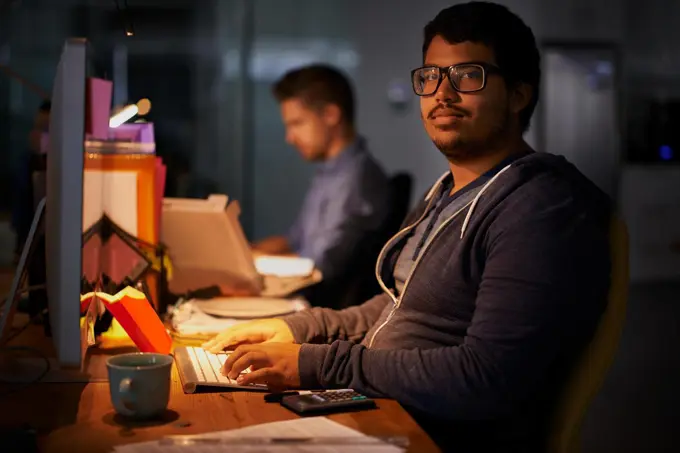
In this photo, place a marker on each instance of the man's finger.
(225, 345)
(233, 357)
(246, 360)
(210, 343)
(213, 346)
(217, 341)
(238, 352)
(261, 376)
(225, 342)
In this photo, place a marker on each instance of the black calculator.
(327, 402)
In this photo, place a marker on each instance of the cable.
(22, 385)
(22, 292)
(21, 329)
(43, 373)
(44, 95)
(18, 385)
(124, 13)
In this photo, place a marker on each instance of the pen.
(276, 397)
(401, 442)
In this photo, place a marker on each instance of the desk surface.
(76, 417)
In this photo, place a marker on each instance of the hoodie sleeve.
(543, 287)
(324, 325)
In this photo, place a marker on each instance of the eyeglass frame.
(445, 71)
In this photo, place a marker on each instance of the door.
(579, 110)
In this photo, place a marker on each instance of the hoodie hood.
(522, 169)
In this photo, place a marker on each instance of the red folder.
(137, 316)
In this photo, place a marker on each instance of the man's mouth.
(447, 120)
(447, 114)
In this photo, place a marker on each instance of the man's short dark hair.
(45, 106)
(317, 86)
(495, 26)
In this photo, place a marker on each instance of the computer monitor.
(64, 193)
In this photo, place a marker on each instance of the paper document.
(214, 203)
(113, 193)
(189, 319)
(291, 436)
(284, 266)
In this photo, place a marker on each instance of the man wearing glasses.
(495, 283)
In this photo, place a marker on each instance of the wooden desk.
(79, 417)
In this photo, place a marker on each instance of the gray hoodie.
(503, 296)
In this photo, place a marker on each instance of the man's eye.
(471, 75)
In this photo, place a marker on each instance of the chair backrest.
(401, 186)
(400, 196)
(361, 284)
(592, 366)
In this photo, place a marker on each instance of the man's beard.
(461, 149)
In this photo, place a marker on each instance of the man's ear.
(331, 114)
(520, 96)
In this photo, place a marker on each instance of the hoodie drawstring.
(474, 202)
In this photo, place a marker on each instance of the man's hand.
(253, 332)
(272, 364)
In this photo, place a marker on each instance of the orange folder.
(145, 167)
(136, 315)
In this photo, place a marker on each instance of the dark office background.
(610, 103)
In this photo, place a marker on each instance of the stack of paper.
(284, 266)
(301, 435)
(188, 319)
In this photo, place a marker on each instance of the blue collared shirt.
(348, 199)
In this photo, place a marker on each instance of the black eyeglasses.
(464, 77)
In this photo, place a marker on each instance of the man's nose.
(446, 93)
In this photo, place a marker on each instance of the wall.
(237, 147)
(649, 194)
(579, 115)
(377, 43)
(34, 58)
(288, 34)
(389, 42)
(650, 199)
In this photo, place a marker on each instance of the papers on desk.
(284, 266)
(188, 319)
(301, 435)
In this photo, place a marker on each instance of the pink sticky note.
(98, 110)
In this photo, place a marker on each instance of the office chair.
(362, 284)
(359, 283)
(564, 435)
(401, 185)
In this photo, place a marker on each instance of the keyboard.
(199, 368)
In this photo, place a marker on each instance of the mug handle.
(125, 390)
